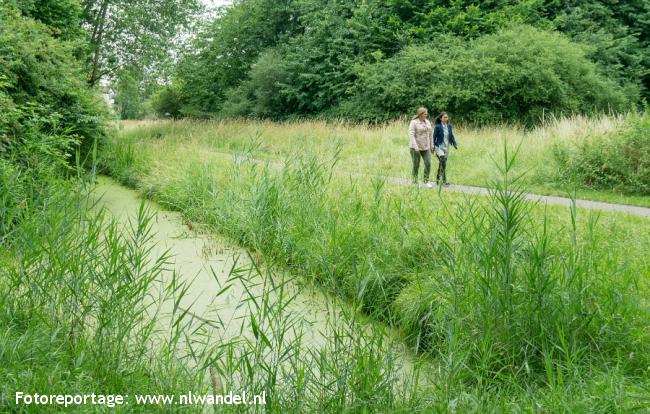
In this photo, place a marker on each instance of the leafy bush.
(167, 100)
(619, 161)
(63, 17)
(519, 74)
(44, 89)
(262, 94)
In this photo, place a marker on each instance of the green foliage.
(326, 54)
(167, 101)
(337, 37)
(50, 111)
(608, 41)
(63, 17)
(466, 18)
(617, 161)
(123, 162)
(126, 34)
(539, 73)
(224, 53)
(128, 99)
(261, 95)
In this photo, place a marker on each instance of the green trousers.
(415, 156)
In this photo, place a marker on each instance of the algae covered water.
(206, 264)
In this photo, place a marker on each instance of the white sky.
(216, 3)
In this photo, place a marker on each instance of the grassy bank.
(521, 307)
(73, 292)
(82, 300)
(383, 150)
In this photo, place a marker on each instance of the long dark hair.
(439, 117)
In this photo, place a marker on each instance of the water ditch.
(223, 281)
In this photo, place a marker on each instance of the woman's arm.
(452, 138)
(436, 135)
(413, 143)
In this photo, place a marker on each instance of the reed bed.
(82, 302)
(520, 307)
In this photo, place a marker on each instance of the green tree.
(167, 101)
(312, 57)
(127, 33)
(261, 95)
(128, 97)
(64, 17)
(539, 73)
(47, 106)
(465, 18)
(223, 53)
(609, 42)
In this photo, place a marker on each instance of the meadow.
(294, 264)
(382, 149)
(520, 306)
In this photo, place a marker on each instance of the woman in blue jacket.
(443, 138)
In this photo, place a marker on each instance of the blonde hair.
(420, 111)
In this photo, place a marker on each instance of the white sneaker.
(428, 184)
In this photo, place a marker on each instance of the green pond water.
(204, 262)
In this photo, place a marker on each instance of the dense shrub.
(519, 74)
(167, 101)
(44, 89)
(63, 17)
(262, 94)
(619, 160)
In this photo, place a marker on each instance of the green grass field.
(521, 307)
(206, 255)
(383, 150)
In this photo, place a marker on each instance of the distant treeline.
(377, 59)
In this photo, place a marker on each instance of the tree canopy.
(488, 60)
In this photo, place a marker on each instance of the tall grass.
(508, 300)
(77, 314)
(617, 159)
(382, 149)
(85, 308)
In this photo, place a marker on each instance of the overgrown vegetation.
(43, 93)
(381, 150)
(510, 310)
(82, 297)
(508, 305)
(618, 160)
(375, 60)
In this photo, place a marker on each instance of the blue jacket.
(439, 136)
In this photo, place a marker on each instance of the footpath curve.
(552, 200)
(555, 200)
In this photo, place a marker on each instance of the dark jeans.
(415, 156)
(442, 169)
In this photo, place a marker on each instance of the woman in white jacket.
(420, 145)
